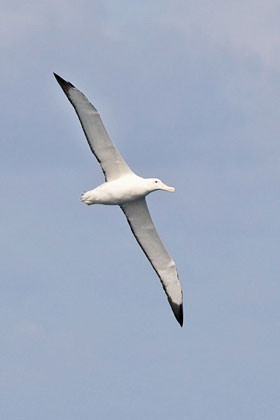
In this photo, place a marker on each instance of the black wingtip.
(178, 312)
(64, 85)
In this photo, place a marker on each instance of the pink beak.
(166, 188)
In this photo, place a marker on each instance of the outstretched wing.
(112, 164)
(143, 229)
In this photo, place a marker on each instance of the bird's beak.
(166, 188)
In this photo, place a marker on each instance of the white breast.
(120, 191)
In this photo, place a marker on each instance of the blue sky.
(189, 92)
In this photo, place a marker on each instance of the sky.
(189, 93)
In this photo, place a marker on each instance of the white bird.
(124, 188)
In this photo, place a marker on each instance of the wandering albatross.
(124, 188)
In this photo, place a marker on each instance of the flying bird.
(124, 188)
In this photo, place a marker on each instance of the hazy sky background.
(189, 91)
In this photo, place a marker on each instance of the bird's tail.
(87, 198)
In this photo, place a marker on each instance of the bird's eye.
(156, 182)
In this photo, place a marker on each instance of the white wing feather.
(142, 226)
(112, 163)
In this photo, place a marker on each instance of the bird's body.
(124, 188)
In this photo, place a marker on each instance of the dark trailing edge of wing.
(177, 309)
(66, 86)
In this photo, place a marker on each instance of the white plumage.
(124, 188)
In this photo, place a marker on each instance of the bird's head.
(156, 184)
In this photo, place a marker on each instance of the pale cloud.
(249, 25)
(18, 25)
(24, 329)
(32, 329)
(21, 22)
